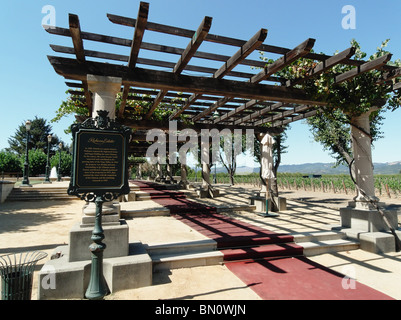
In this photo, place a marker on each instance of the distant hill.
(323, 168)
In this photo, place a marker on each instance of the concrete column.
(104, 91)
(361, 146)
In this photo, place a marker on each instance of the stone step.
(146, 212)
(312, 248)
(318, 236)
(186, 260)
(195, 246)
(184, 254)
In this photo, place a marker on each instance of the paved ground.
(45, 225)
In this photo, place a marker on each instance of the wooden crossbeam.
(325, 65)
(154, 79)
(300, 51)
(283, 114)
(126, 21)
(188, 53)
(75, 31)
(140, 25)
(165, 125)
(231, 63)
(367, 66)
(305, 115)
(260, 113)
(152, 62)
(390, 75)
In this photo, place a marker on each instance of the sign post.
(99, 174)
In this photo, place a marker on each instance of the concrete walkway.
(46, 225)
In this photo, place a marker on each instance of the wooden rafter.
(305, 115)
(231, 63)
(135, 47)
(188, 53)
(325, 65)
(367, 66)
(300, 51)
(240, 104)
(288, 58)
(75, 31)
(283, 114)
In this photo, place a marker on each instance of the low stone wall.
(5, 189)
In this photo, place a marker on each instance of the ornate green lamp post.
(25, 181)
(47, 178)
(60, 146)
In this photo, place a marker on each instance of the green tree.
(346, 100)
(66, 162)
(40, 129)
(10, 162)
(37, 162)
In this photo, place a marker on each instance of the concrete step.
(194, 246)
(312, 248)
(146, 212)
(186, 260)
(318, 235)
(184, 254)
(325, 241)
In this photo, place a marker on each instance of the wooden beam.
(259, 113)
(152, 62)
(242, 53)
(231, 63)
(216, 38)
(165, 125)
(75, 31)
(193, 45)
(188, 53)
(367, 66)
(70, 69)
(283, 114)
(325, 65)
(285, 60)
(390, 75)
(305, 115)
(135, 47)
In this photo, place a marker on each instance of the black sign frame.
(109, 130)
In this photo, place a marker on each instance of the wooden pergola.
(223, 97)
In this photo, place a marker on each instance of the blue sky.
(30, 87)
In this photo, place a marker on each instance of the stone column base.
(61, 279)
(368, 227)
(260, 203)
(116, 240)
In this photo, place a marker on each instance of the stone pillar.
(361, 147)
(361, 220)
(104, 90)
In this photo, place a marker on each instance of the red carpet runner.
(270, 263)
